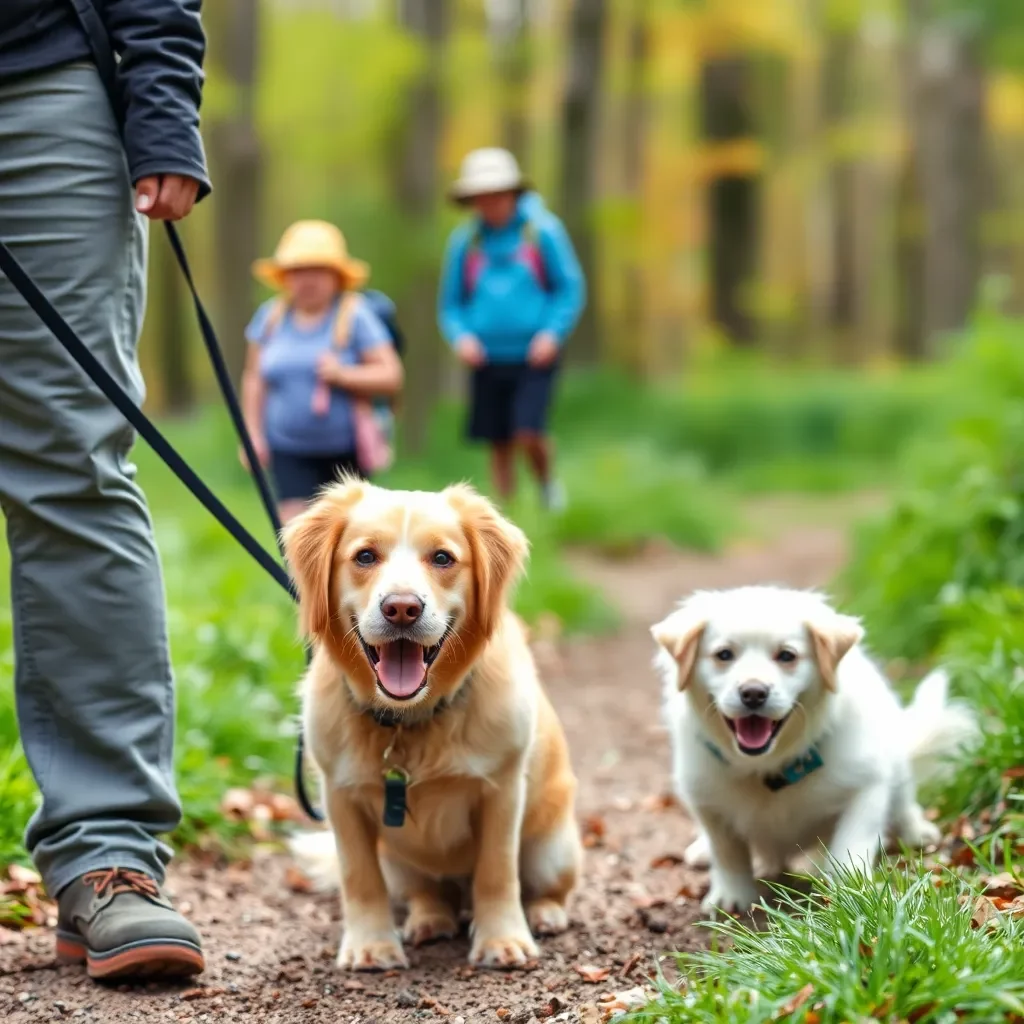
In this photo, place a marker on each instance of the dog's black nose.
(753, 695)
(401, 609)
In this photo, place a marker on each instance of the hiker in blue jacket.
(511, 293)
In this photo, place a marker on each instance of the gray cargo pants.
(93, 681)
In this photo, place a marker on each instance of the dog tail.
(937, 728)
(317, 858)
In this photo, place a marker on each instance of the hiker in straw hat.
(318, 353)
(511, 293)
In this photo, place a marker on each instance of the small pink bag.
(373, 453)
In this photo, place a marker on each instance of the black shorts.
(506, 399)
(299, 477)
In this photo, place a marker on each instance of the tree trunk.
(837, 83)
(634, 140)
(235, 158)
(418, 146)
(581, 110)
(511, 32)
(947, 100)
(172, 332)
(733, 200)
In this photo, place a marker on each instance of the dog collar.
(791, 773)
(390, 718)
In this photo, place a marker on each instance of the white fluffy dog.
(786, 736)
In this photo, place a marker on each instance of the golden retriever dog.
(441, 759)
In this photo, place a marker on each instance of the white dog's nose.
(753, 695)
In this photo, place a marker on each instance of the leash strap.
(95, 370)
(146, 429)
(227, 389)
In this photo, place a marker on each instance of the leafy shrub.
(957, 529)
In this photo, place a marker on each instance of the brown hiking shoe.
(120, 924)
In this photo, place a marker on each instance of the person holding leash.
(511, 292)
(95, 694)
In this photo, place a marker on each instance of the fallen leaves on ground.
(594, 830)
(617, 1004)
(658, 802)
(591, 973)
(1005, 886)
(794, 1004)
(190, 995)
(23, 902)
(630, 965)
(667, 860)
(297, 881)
(987, 909)
(259, 807)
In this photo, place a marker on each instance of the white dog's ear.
(680, 635)
(833, 636)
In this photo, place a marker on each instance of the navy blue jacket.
(157, 84)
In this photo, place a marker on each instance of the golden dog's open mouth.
(755, 733)
(401, 666)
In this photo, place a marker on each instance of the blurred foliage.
(955, 531)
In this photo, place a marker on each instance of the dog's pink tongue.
(753, 731)
(401, 669)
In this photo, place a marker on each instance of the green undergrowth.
(899, 947)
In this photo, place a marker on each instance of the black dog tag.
(395, 786)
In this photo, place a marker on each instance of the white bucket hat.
(486, 171)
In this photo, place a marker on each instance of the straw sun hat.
(486, 171)
(311, 243)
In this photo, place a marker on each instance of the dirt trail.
(270, 952)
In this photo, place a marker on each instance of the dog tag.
(396, 782)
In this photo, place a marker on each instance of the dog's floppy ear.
(310, 541)
(498, 549)
(833, 636)
(680, 635)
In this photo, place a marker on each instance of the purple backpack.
(528, 252)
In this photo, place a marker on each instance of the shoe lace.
(119, 880)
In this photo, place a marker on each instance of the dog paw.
(546, 917)
(504, 951)
(377, 953)
(698, 853)
(428, 925)
(731, 895)
(921, 832)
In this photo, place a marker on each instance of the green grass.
(900, 947)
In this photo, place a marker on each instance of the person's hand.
(470, 351)
(259, 443)
(330, 370)
(166, 196)
(543, 350)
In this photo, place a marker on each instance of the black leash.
(227, 389)
(146, 429)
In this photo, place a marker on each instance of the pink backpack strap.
(472, 265)
(529, 252)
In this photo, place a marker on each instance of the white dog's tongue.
(754, 731)
(401, 669)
